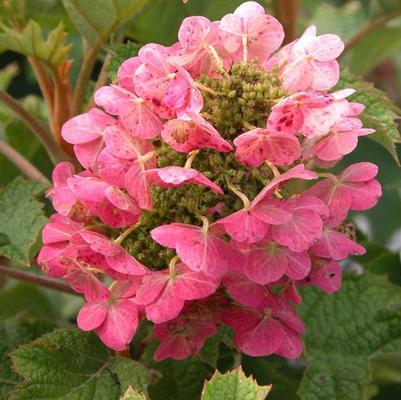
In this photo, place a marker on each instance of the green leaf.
(52, 50)
(98, 19)
(380, 113)
(26, 299)
(121, 53)
(375, 47)
(21, 218)
(69, 364)
(132, 394)
(177, 380)
(346, 331)
(160, 21)
(233, 385)
(277, 371)
(15, 332)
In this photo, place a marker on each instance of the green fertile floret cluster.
(235, 103)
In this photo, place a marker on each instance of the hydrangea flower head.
(204, 198)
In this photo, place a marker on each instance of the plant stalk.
(40, 131)
(35, 279)
(28, 169)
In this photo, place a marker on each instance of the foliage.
(21, 218)
(66, 364)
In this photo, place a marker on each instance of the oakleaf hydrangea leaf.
(346, 331)
(21, 218)
(53, 50)
(233, 386)
(68, 364)
(97, 19)
(132, 394)
(380, 113)
(15, 332)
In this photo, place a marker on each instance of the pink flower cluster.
(237, 265)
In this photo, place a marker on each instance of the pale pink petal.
(138, 186)
(86, 127)
(259, 145)
(185, 136)
(88, 188)
(326, 47)
(126, 72)
(325, 75)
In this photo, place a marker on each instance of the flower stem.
(102, 78)
(191, 158)
(128, 231)
(84, 77)
(206, 89)
(28, 169)
(36, 279)
(286, 12)
(242, 196)
(369, 28)
(40, 131)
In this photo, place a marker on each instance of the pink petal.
(300, 232)
(86, 127)
(191, 285)
(165, 308)
(151, 287)
(138, 185)
(126, 73)
(325, 75)
(185, 136)
(244, 226)
(326, 275)
(336, 245)
(126, 264)
(326, 47)
(291, 346)
(259, 145)
(298, 265)
(297, 172)
(61, 172)
(359, 172)
(88, 188)
(244, 291)
(120, 325)
(92, 315)
(265, 263)
(87, 153)
(365, 195)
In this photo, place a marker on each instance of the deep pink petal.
(92, 315)
(120, 325)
